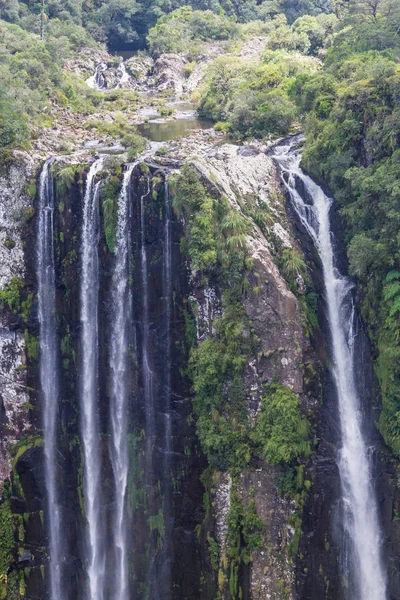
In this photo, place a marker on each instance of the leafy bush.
(11, 295)
(64, 177)
(253, 100)
(281, 433)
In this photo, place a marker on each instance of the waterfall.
(148, 382)
(97, 81)
(124, 76)
(49, 374)
(361, 521)
(167, 449)
(90, 426)
(119, 363)
(149, 387)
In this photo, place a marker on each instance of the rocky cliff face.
(17, 186)
(248, 177)
(297, 557)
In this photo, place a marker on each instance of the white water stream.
(119, 365)
(360, 514)
(49, 374)
(89, 384)
(97, 81)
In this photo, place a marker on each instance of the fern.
(392, 275)
(65, 177)
(391, 291)
(395, 308)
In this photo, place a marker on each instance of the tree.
(376, 11)
(116, 18)
(41, 19)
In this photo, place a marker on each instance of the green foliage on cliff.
(109, 196)
(214, 232)
(243, 538)
(216, 368)
(7, 543)
(351, 122)
(65, 177)
(214, 242)
(281, 432)
(11, 295)
(244, 530)
(215, 237)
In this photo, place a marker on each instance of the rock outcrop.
(17, 186)
(169, 73)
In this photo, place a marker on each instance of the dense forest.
(329, 70)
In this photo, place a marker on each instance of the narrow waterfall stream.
(97, 81)
(89, 384)
(147, 372)
(361, 523)
(167, 442)
(49, 374)
(119, 364)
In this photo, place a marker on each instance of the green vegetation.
(214, 241)
(211, 228)
(293, 265)
(125, 23)
(216, 365)
(281, 433)
(109, 196)
(7, 544)
(32, 79)
(216, 369)
(11, 295)
(65, 177)
(351, 119)
(23, 445)
(185, 29)
(243, 538)
(251, 99)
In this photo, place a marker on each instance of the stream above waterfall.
(164, 131)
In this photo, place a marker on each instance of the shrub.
(281, 434)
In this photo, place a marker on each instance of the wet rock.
(15, 209)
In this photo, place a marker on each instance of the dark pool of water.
(163, 132)
(125, 53)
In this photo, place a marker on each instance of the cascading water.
(167, 448)
(148, 387)
(124, 76)
(148, 390)
(98, 81)
(49, 374)
(89, 383)
(360, 506)
(119, 363)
